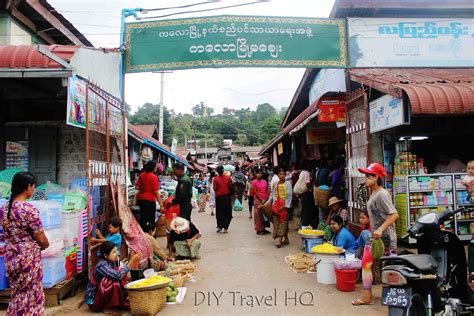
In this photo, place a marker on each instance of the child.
(115, 224)
(364, 232)
(158, 254)
(106, 285)
(468, 181)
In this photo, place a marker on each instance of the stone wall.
(71, 154)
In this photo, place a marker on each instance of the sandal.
(360, 302)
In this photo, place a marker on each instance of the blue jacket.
(345, 240)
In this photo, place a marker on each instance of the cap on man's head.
(374, 169)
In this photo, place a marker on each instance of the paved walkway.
(239, 268)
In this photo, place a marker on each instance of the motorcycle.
(434, 281)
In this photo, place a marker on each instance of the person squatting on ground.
(184, 237)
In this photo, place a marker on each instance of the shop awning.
(302, 119)
(153, 143)
(430, 91)
(31, 61)
(272, 143)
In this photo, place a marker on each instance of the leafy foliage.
(244, 126)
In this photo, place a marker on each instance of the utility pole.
(162, 90)
(195, 143)
(205, 149)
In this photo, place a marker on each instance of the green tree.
(150, 114)
(201, 110)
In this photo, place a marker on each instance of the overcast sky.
(99, 21)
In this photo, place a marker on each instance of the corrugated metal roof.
(155, 143)
(28, 56)
(148, 129)
(430, 91)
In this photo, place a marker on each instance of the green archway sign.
(234, 41)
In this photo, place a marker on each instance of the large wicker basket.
(321, 197)
(147, 302)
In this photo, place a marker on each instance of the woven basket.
(147, 302)
(321, 197)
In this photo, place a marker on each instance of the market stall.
(415, 121)
(70, 134)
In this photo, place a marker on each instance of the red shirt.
(222, 185)
(147, 185)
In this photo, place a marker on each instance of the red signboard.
(332, 110)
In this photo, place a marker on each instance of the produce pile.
(326, 248)
(171, 292)
(315, 232)
(154, 280)
(301, 262)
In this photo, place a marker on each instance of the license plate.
(396, 296)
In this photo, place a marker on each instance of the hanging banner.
(386, 112)
(234, 41)
(412, 42)
(332, 111)
(16, 155)
(76, 102)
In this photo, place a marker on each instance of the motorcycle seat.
(421, 262)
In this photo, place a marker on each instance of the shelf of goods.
(416, 195)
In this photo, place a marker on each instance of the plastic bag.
(75, 200)
(238, 206)
(343, 264)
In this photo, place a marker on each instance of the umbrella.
(229, 168)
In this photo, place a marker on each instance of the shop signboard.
(17, 155)
(332, 111)
(386, 112)
(327, 80)
(234, 41)
(411, 42)
(323, 135)
(76, 102)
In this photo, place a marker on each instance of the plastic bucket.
(325, 268)
(346, 280)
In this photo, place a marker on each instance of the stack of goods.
(301, 263)
(431, 198)
(462, 197)
(400, 200)
(430, 183)
(54, 262)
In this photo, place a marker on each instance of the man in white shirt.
(449, 165)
